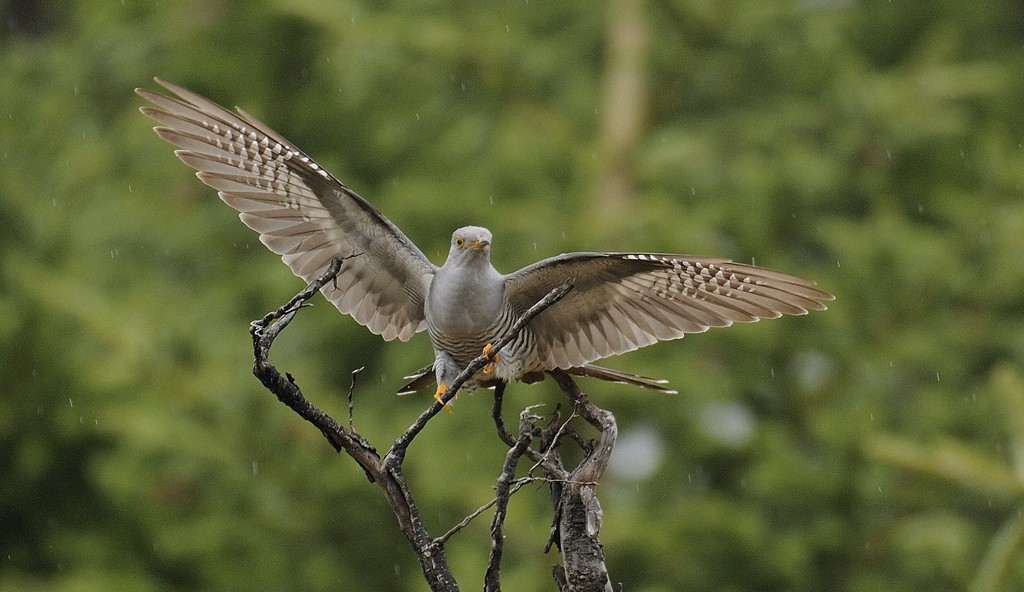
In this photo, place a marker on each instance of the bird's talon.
(441, 390)
(490, 367)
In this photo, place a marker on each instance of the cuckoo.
(619, 302)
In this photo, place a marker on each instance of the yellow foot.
(441, 390)
(489, 368)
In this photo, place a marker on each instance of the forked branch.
(387, 472)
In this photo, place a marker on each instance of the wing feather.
(300, 210)
(625, 301)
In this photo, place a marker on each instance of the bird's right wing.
(300, 211)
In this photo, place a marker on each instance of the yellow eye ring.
(459, 241)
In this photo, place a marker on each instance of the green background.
(873, 146)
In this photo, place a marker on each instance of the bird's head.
(471, 242)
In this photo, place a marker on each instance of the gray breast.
(466, 309)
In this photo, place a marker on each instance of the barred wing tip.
(300, 211)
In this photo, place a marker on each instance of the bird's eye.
(459, 241)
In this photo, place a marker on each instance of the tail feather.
(419, 380)
(602, 373)
(424, 378)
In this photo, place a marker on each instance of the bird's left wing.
(624, 301)
(300, 210)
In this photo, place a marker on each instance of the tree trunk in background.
(623, 111)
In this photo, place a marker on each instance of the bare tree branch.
(264, 332)
(499, 419)
(577, 513)
(580, 513)
(527, 431)
(351, 399)
(388, 476)
(387, 472)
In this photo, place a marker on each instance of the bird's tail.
(424, 378)
(419, 380)
(602, 373)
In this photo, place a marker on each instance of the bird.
(619, 301)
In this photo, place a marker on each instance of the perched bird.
(619, 301)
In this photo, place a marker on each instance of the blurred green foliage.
(874, 146)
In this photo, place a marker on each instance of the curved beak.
(479, 243)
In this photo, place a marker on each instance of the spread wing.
(300, 210)
(624, 301)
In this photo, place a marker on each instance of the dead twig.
(527, 431)
(390, 479)
(387, 472)
(579, 513)
(351, 403)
